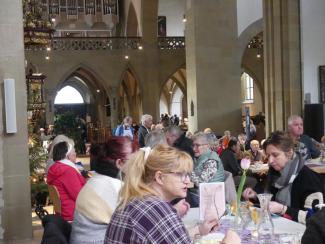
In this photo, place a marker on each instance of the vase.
(265, 227)
(239, 212)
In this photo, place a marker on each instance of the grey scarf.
(287, 176)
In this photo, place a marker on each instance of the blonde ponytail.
(142, 167)
(134, 185)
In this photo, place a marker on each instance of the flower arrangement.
(244, 164)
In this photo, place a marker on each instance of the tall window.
(248, 83)
(68, 95)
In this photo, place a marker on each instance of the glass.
(255, 217)
(265, 227)
(182, 175)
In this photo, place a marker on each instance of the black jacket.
(184, 144)
(230, 162)
(142, 132)
(56, 230)
(304, 185)
(315, 229)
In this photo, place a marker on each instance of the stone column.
(114, 106)
(14, 165)
(213, 66)
(282, 67)
(149, 71)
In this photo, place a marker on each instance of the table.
(316, 165)
(281, 225)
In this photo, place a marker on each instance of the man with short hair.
(304, 144)
(146, 122)
(176, 138)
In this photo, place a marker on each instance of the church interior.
(210, 62)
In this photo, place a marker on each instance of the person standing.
(125, 129)
(146, 122)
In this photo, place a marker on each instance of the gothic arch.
(170, 90)
(129, 95)
(132, 24)
(88, 70)
(245, 37)
(92, 88)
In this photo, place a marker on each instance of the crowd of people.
(144, 181)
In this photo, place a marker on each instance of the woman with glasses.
(144, 215)
(98, 199)
(207, 166)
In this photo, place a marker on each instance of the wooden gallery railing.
(97, 133)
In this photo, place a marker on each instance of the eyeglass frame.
(199, 145)
(182, 175)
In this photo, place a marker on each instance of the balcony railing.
(175, 42)
(107, 43)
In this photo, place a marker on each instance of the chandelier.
(38, 29)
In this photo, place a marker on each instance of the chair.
(55, 198)
(230, 189)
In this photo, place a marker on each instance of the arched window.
(68, 95)
(248, 87)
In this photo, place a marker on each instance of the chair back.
(55, 198)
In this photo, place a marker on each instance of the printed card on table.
(212, 200)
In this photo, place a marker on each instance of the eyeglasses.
(182, 175)
(198, 145)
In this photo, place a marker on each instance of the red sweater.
(68, 182)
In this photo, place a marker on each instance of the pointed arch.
(130, 100)
(88, 70)
(245, 37)
(132, 23)
(173, 93)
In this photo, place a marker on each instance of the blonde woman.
(145, 215)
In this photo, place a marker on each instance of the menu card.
(212, 200)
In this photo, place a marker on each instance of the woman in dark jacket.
(296, 189)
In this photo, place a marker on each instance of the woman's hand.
(182, 208)
(276, 207)
(249, 193)
(206, 227)
(231, 238)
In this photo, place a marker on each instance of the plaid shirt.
(148, 220)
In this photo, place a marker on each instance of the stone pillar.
(282, 67)
(114, 106)
(213, 66)
(149, 73)
(14, 165)
(49, 108)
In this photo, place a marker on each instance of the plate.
(216, 236)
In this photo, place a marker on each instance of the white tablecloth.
(281, 225)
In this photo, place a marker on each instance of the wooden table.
(316, 165)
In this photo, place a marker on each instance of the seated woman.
(65, 176)
(296, 189)
(98, 198)
(207, 165)
(145, 215)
